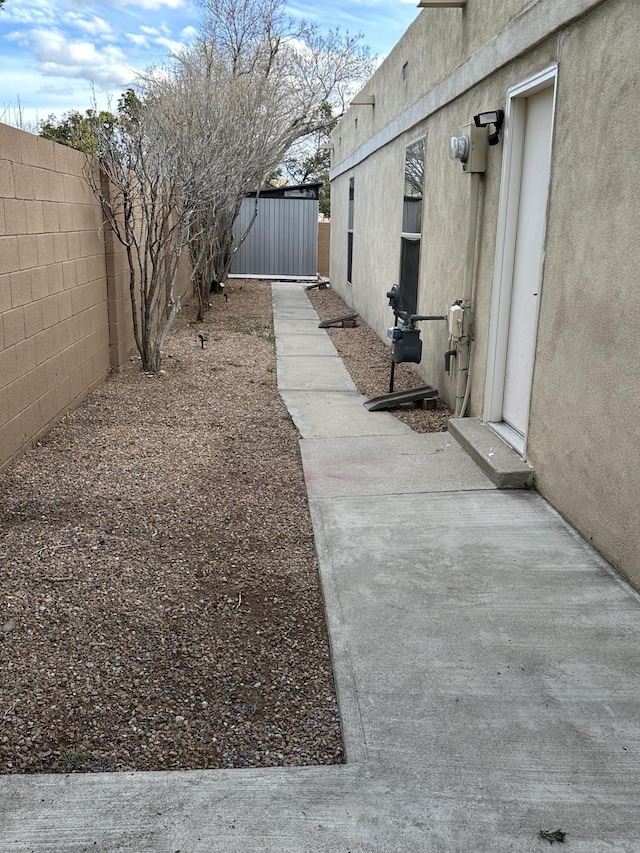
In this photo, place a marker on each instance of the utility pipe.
(463, 410)
(463, 360)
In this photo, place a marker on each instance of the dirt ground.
(160, 593)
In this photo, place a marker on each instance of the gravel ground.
(160, 593)
(367, 358)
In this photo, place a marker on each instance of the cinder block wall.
(64, 303)
(324, 248)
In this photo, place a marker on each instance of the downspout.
(463, 360)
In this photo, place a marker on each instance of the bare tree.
(259, 81)
(173, 170)
(309, 159)
(144, 179)
(209, 115)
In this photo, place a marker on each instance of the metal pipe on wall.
(463, 361)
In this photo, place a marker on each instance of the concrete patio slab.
(487, 664)
(313, 373)
(289, 297)
(296, 326)
(296, 312)
(304, 344)
(332, 414)
(464, 582)
(372, 465)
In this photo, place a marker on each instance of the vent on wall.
(405, 71)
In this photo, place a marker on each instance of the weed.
(246, 326)
(75, 759)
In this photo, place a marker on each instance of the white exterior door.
(527, 265)
(520, 259)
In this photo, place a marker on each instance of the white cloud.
(172, 46)
(161, 36)
(138, 40)
(34, 12)
(153, 4)
(57, 56)
(154, 31)
(95, 27)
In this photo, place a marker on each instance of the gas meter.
(405, 344)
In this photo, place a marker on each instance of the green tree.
(77, 130)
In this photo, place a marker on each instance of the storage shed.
(283, 242)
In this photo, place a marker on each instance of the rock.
(9, 627)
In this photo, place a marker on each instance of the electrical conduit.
(463, 360)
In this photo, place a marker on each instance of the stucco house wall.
(65, 315)
(450, 65)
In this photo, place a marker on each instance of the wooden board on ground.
(397, 398)
(346, 322)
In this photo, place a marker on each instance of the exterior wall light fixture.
(491, 117)
(362, 100)
(442, 4)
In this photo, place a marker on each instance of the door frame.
(515, 120)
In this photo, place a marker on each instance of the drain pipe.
(464, 344)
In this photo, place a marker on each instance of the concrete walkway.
(487, 663)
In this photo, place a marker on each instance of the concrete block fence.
(65, 315)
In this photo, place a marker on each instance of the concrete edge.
(499, 462)
(353, 735)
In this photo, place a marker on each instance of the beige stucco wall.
(585, 404)
(584, 435)
(64, 316)
(436, 42)
(378, 223)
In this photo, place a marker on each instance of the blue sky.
(52, 51)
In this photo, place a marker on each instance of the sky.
(54, 54)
